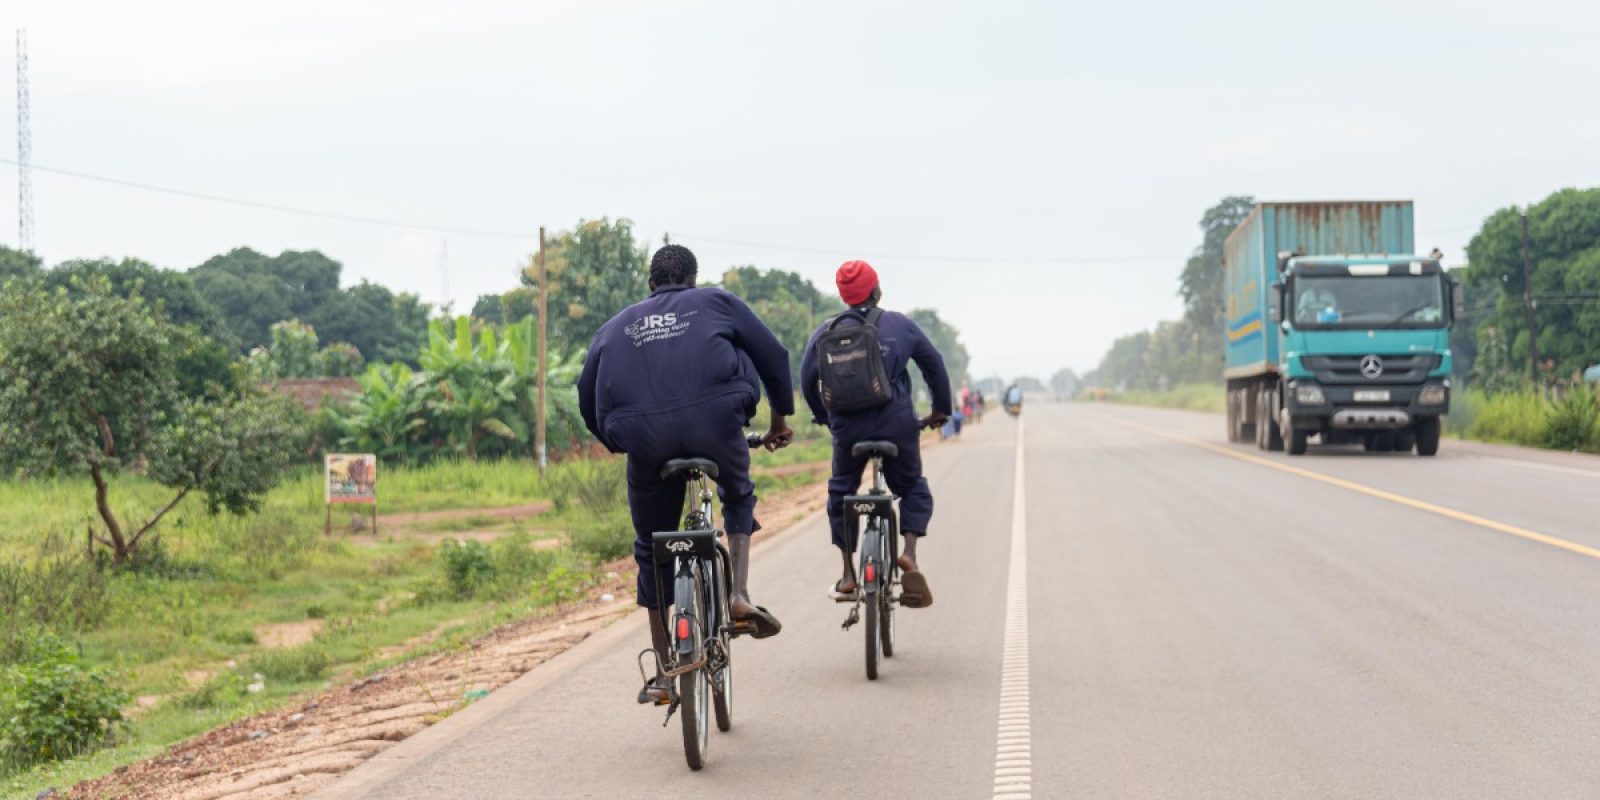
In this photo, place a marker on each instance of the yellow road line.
(1420, 505)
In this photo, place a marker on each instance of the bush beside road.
(1568, 420)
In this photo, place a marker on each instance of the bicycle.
(701, 628)
(878, 546)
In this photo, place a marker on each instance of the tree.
(1188, 350)
(1564, 253)
(593, 272)
(253, 291)
(17, 264)
(88, 385)
(947, 340)
(1200, 284)
(788, 303)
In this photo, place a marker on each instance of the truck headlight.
(1309, 394)
(1432, 395)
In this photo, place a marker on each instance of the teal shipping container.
(1251, 254)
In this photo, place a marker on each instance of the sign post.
(350, 478)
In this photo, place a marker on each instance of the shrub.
(516, 565)
(467, 566)
(51, 707)
(605, 537)
(600, 485)
(561, 586)
(1573, 423)
(64, 592)
(1514, 417)
(291, 665)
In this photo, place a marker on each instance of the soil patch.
(288, 634)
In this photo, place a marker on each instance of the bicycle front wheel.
(873, 583)
(722, 679)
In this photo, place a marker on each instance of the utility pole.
(24, 149)
(544, 322)
(1527, 303)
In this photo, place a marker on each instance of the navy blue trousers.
(713, 429)
(903, 473)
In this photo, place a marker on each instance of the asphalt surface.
(1202, 620)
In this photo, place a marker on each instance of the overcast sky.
(1034, 171)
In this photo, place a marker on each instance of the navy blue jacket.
(679, 347)
(902, 342)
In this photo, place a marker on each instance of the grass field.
(1189, 396)
(224, 616)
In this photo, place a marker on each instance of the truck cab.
(1363, 353)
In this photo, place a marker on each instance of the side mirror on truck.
(1458, 300)
(1275, 301)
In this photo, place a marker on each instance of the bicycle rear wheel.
(692, 696)
(693, 691)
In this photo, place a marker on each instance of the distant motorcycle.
(1012, 401)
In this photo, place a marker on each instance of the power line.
(304, 212)
(394, 223)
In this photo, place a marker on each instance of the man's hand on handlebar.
(778, 435)
(935, 420)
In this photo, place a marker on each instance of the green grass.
(1189, 396)
(210, 585)
(206, 587)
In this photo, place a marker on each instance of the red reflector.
(872, 572)
(683, 627)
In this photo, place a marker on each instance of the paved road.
(1202, 621)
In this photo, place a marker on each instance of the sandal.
(914, 592)
(758, 623)
(839, 595)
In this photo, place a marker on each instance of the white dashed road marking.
(1013, 753)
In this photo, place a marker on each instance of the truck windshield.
(1415, 301)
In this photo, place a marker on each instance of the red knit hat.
(856, 281)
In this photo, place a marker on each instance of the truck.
(1336, 329)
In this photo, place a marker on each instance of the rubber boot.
(742, 606)
(658, 690)
(739, 552)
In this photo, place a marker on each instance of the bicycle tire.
(693, 691)
(886, 627)
(872, 546)
(886, 598)
(722, 682)
(692, 708)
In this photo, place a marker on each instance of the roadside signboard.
(350, 478)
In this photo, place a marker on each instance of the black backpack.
(850, 364)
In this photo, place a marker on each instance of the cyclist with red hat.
(901, 343)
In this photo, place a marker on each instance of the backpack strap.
(850, 313)
(873, 315)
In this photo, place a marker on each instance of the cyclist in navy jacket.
(679, 375)
(903, 342)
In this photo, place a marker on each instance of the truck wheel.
(1405, 440)
(1296, 442)
(1383, 442)
(1233, 416)
(1428, 436)
(1271, 436)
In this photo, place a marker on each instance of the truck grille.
(1337, 370)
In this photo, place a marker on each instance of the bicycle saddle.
(867, 449)
(684, 466)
